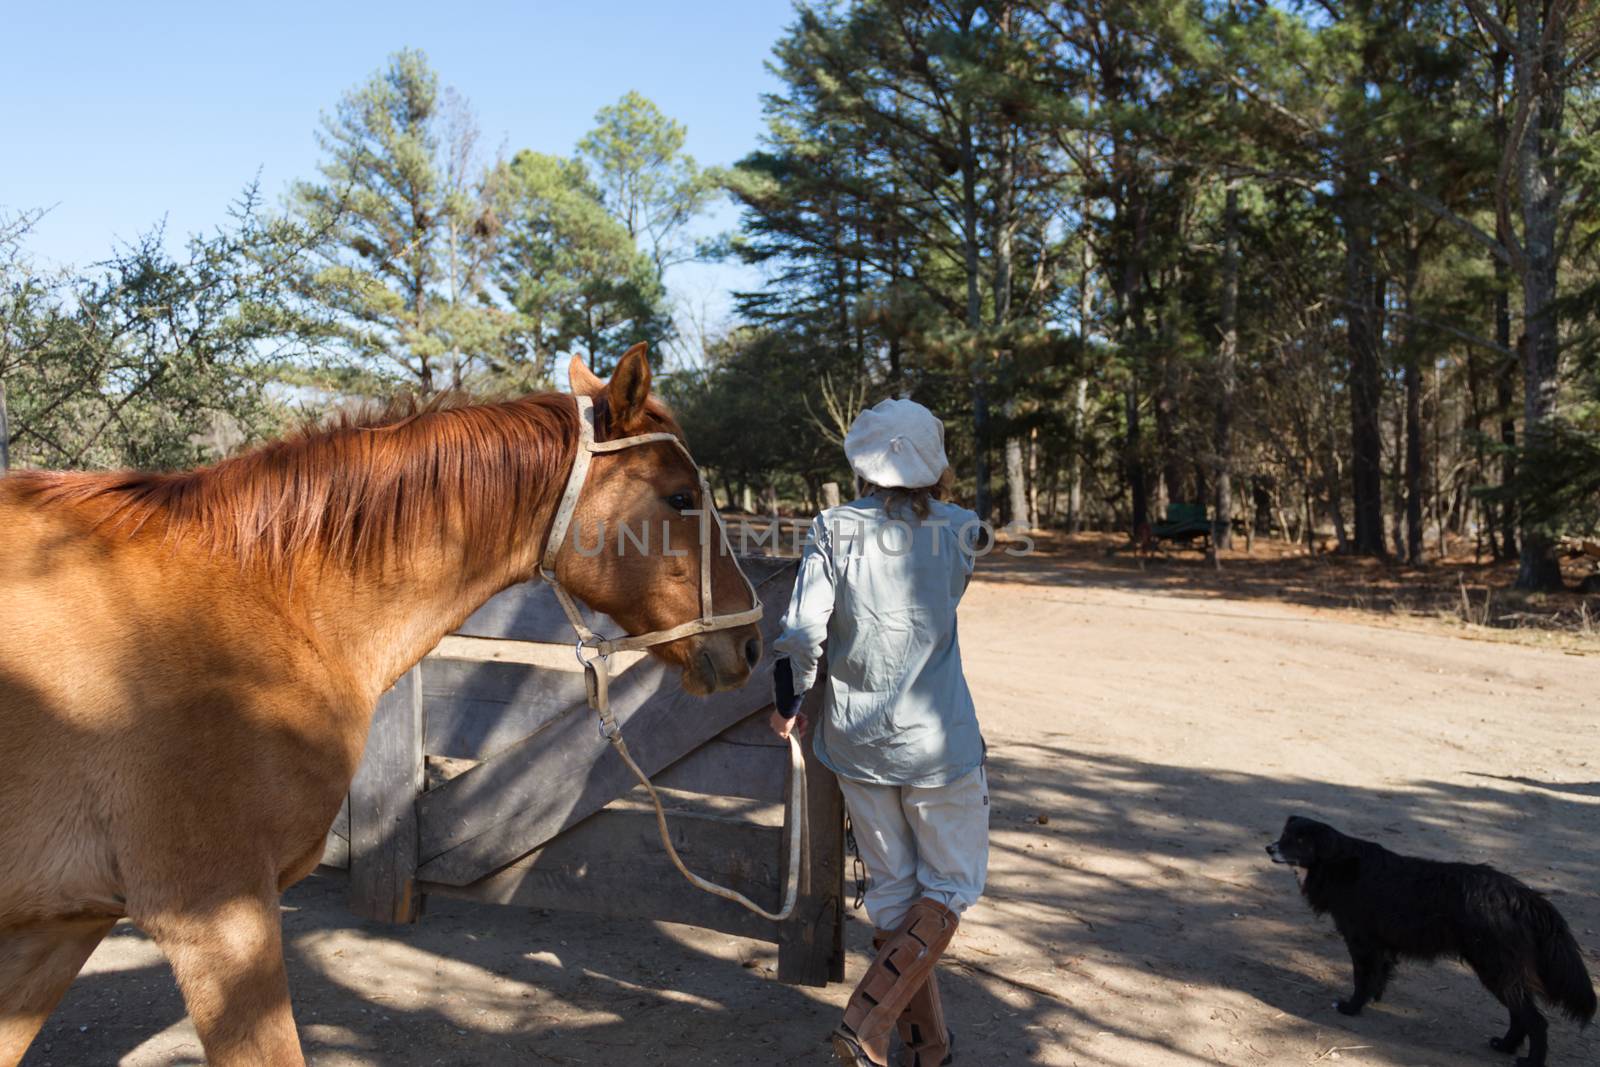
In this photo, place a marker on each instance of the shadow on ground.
(1141, 865)
(1146, 892)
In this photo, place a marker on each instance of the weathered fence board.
(383, 813)
(489, 781)
(527, 792)
(477, 707)
(336, 850)
(532, 790)
(720, 767)
(811, 945)
(730, 769)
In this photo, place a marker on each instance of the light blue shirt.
(882, 590)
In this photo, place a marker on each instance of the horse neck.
(377, 623)
(378, 613)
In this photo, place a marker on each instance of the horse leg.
(36, 966)
(228, 959)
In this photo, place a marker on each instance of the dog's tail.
(1561, 971)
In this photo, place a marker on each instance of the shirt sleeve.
(964, 548)
(805, 624)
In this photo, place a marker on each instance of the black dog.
(1389, 906)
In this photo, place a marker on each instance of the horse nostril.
(752, 651)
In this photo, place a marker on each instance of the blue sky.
(119, 114)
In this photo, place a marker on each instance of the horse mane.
(352, 492)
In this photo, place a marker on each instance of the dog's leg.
(1385, 972)
(1526, 1022)
(1528, 1015)
(1367, 963)
(1514, 1036)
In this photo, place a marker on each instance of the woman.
(879, 582)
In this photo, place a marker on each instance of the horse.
(189, 664)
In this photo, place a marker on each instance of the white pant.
(921, 841)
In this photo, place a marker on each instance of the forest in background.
(1327, 268)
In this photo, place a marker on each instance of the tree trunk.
(1413, 388)
(1333, 480)
(1505, 514)
(1414, 479)
(1396, 481)
(1365, 379)
(1133, 332)
(1004, 225)
(1542, 188)
(1017, 483)
(1080, 404)
(1227, 368)
(1505, 392)
(1169, 490)
(1140, 517)
(1166, 409)
(969, 242)
(1433, 415)
(1080, 399)
(5, 432)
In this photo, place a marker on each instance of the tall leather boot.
(928, 1041)
(900, 969)
(925, 1039)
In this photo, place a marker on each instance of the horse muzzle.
(721, 659)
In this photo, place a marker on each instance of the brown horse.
(189, 665)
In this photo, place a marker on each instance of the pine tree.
(408, 222)
(571, 268)
(645, 179)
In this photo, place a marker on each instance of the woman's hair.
(895, 497)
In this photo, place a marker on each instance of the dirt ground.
(1149, 730)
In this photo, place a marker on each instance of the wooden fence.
(489, 780)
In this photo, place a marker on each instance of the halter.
(597, 670)
(708, 620)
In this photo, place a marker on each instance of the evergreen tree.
(408, 223)
(571, 269)
(645, 179)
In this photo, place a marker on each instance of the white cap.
(897, 443)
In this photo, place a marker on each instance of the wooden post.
(830, 494)
(383, 808)
(811, 943)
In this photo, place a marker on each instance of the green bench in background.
(1184, 523)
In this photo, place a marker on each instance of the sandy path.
(1164, 738)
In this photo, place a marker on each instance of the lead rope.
(793, 816)
(598, 676)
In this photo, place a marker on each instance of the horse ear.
(584, 381)
(629, 388)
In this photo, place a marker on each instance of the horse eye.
(681, 501)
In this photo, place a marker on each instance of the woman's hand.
(784, 727)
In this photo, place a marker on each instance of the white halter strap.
(598, 674)
(562, 523)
